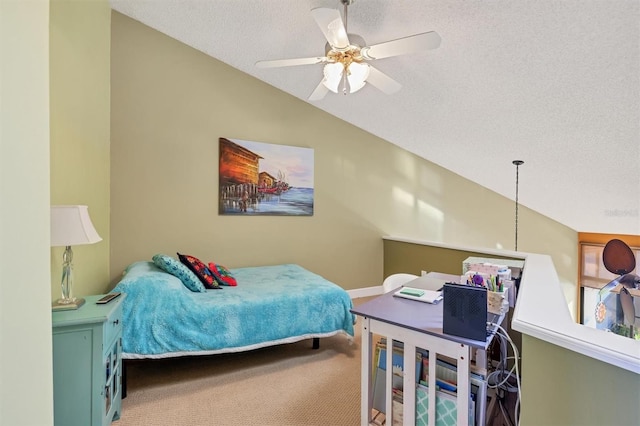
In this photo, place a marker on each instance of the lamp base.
(59, 306)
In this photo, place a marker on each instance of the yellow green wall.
(26, 389)
(171, 103)
(401, 256)
(80, 131)
(563, 388)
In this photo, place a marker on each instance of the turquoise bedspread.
(270, 305)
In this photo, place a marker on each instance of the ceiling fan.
(347, 56)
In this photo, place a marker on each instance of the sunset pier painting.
(257, 178)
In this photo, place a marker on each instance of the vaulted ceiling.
(555, 83)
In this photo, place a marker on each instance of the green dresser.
(87, 364)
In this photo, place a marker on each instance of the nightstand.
(87, 364)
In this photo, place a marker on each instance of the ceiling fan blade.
(319, 92)
(402, 46)
(382, 81)
(331, 25)
(290, 62)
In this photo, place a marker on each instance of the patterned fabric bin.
(446, 408)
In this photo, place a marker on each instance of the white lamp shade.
(358, 74)
(71, 225)
(332, 76)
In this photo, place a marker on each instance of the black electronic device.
(465, 311)
(107, 298)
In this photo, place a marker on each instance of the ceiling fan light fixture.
(333, 76)
(358, 74)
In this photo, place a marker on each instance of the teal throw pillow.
(176, 268)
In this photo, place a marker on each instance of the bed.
(270, 305)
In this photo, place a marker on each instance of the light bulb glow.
(333, 76)
(358, 74)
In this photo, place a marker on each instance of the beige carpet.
(281, 385)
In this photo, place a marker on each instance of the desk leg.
(433, 361)
(366, 394)
(388, 391)
(409, 382)
(464, 387)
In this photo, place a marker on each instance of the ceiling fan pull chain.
(345, 83)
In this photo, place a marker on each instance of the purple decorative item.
(478, 280)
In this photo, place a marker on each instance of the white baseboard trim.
(365, 292)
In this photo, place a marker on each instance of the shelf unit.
(446, 371)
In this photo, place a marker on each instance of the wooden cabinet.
(87, 364)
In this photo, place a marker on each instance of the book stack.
(446, 388)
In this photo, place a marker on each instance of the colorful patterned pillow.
(200, 269)
(222, 274)
(174, 267)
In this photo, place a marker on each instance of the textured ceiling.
(555, 83)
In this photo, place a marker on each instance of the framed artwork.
(257, 178)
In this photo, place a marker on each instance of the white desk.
(416, 324)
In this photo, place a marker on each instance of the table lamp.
(70, 225)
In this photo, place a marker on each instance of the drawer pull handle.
(116, 322)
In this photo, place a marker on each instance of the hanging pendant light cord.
(517, 163)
